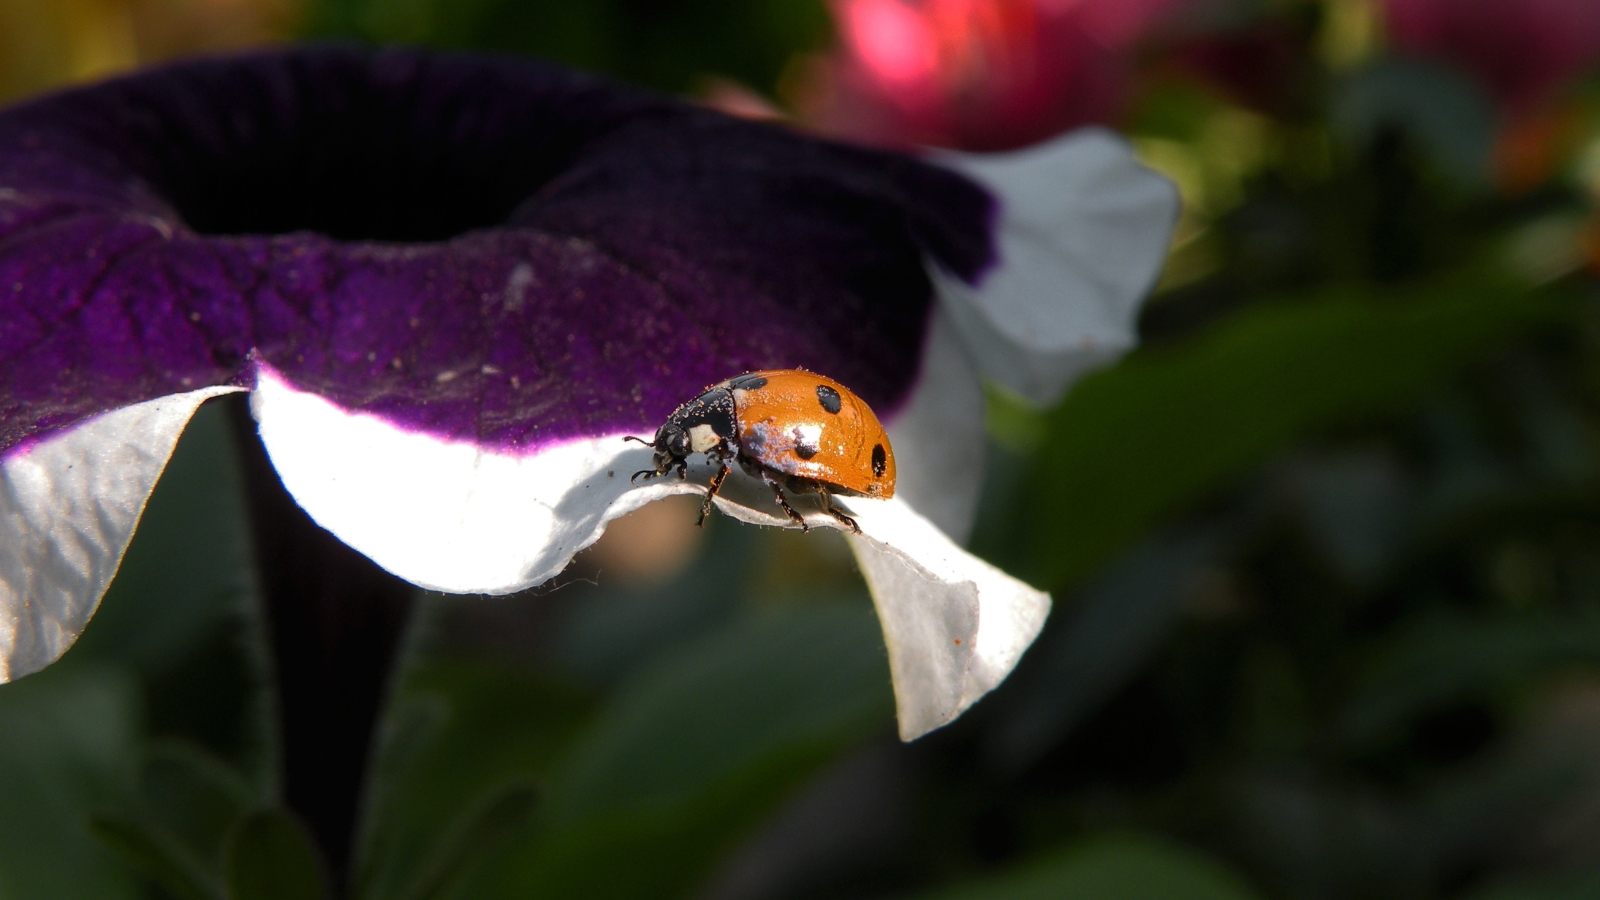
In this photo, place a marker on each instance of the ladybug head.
(672, 442)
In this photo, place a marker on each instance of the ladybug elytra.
(795, 430)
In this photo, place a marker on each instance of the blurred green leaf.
(1176, 110)
(1316, 830)
(1090, 649)
(484, 831)
(1128, 868)
(777, 678)
(667, 46)
(1570, 887)
(396, 827)
(1429, 664)
(695, 747)
(458, 730)
(67, 738)
(577, 33)
(188, 805)
(194, 797)
(270, 857)
(1149, 437)
(157, 855)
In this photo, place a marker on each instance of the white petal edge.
(68, 508)
(450, 516)
(1082, 232)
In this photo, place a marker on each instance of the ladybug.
(793, 429)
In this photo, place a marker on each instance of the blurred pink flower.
(1522, 51)
(976, 74)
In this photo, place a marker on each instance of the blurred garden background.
(1325, 550)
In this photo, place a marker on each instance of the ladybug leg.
(830, 509)
(777, 494)
(711, 491)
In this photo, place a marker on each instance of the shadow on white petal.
(68, 508)
(939, 434)
(1083, 231)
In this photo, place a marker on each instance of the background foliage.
(1325, 550)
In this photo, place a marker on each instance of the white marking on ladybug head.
(702, 437)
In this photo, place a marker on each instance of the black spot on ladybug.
(880, 460)
(829, 398)
(804, 451)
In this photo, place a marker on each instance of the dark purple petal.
(477, 248)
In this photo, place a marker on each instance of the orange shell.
(787, 425)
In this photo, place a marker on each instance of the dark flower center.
(393, 146)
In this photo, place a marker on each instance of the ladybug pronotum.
(795, 430)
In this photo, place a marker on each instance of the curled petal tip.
(1083, 229)
(955, 626)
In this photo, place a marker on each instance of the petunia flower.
(977, 74)
(1521, 51)
(453, 284)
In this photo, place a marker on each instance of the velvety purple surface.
(476, 247)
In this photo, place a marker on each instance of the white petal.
(450, 516)
(1083, 231)
(938, 436)
(68, 507)
(955, 625)
(446, 515)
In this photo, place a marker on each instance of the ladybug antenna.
(639, 439)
